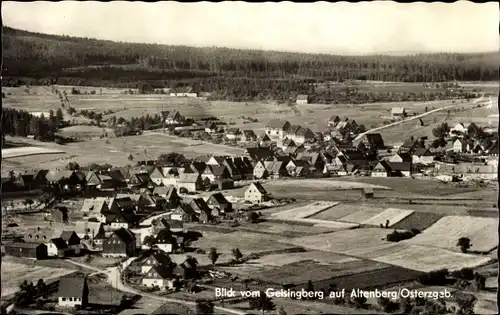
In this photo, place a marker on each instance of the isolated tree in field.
(464, 244)
(237, 254)
(253, 217)
(204, 307)
(130, 157)
(213, 255)
(59, 116)
(262, 303)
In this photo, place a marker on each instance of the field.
(13, 273)
(25, 151)
(390, 215)
(418, 220)
(362, 215)
(323, 184)
(324, 258)
(301, 272)
(426, 259)
(305, 211)
(483, 233)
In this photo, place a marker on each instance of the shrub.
(437, 277)
(400, 236)
(464, 273)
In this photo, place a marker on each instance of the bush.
(464, 273)
(400, 236)
(437, 277)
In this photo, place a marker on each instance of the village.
(143, 215)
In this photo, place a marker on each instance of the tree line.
(21, 123)
(233, 74)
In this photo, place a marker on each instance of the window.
(63, 299)
(70, 299)
(118, 242)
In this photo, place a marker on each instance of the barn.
(28, 250)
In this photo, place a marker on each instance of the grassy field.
(391, 215)
(324, 258)
(14, 272)
(305, 211)
(418, 220)
(116, 151)
(362, 215)
(426, 258)
(483, 233)
(303, 271)
(27, 151)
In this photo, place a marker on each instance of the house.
(122, 220)
(302, 99)
(382, 169)
(160, 178)
(292, 166)
(223, 184)
(400, 157)
(422, 156)
(122, 203)
(260, 170)
(184, 213)
(151, 202)
(71, 238)
(245, 167)
(160, 276)
(459, 146)
(95, 208)
(169, 193)
(215, 160)
(459, 128)
(187, 269)
(276, 129)
(248, 136)
(190, 182)
(299, 134)
(34, 179)
(256, 193)
(219, 172)
(90, 230)
(72, 292)
(400, 169)
(157, 258)
(233, 133)
(210, 126)
(199, 206)
(174, 118)
(265, 141)
(398, 112)
(208, 173)
(276, 169)
(368, 193)
(372, 141)
(165, 241)
(44, 237)
(121, 243)
(28, 250)
(220, 202)
(233, 170)
(66, 180)
(287, 143)
(99, 181)
(260, 154)
(333, 121)
(409, 146)
(139, 180)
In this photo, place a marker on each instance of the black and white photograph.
(239, 158)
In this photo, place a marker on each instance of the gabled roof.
(186, 208)
(218, 170)
(71, 287)
(399, 166)
(157, 173)
(293, 129)
(219, 198)
(82, 226)
(302, 97)
(289, 143)
(166, 191)
(173, 114)
(375, 140)
(257, 154)
(334, 118)
(59, 243)
(259, 187)
(277, 124)
(163, 272)
(125, 235)
(66, 235)
(409, 144)
(198, 166)
(353, 155)
(422, 152)
(189, 177)
(233, 131)
(94, 205)
(24, 244)
(303, 131)
(199, 204)
(249, 133)
(55, 176)
(160, 257)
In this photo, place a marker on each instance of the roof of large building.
(277, 124)
(71, 286)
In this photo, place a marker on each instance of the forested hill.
(83, 61)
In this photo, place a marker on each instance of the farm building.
(400, 169)
(372, 141)
(90, 230)
(169, 193)
(160, 177)
(248, 136)
(174, 118)
(422, 156)
(333, 121)
(99, 181)
(398, 112)
(220, 202)
(28, 250)
(256, 193)
(155, 259)
(233, 133)
(260, 171)
(367, 193)
(223, 184)
(299, 134)
(72, 292)
(302, 99)
(184, 213)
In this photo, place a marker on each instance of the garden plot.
(391, 215)
(426, 259)
(319, 257)
(418, 220)
(483, 233)
(25, 151)
(323, 184)
(336, 212)
(366, 213)
(305, 211)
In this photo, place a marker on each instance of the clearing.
(13, 273)
(25, 151)
(423, 258)
(483, 233)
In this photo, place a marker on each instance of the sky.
(320, 27)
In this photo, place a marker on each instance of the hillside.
(233, 74)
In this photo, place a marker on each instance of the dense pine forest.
(33, 58)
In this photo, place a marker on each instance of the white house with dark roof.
(256, 193)
(398, 112)
(302, 99)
